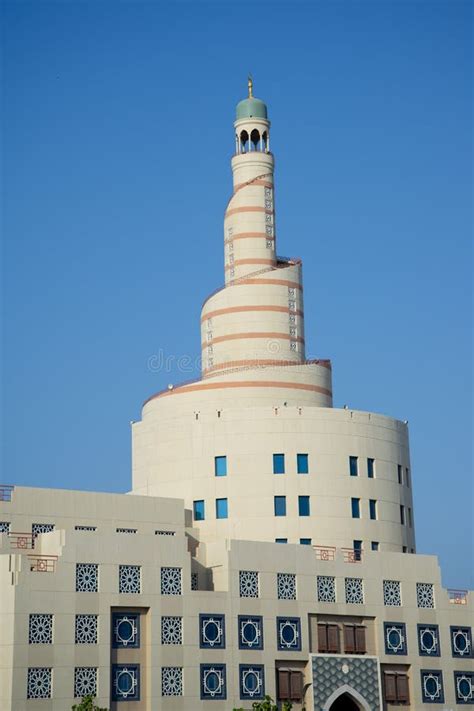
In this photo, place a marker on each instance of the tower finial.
(250, 86)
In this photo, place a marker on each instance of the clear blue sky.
(117, 131)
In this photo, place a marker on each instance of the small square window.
(220, 466)
(125, 630)
(278, 463)
(428, 640)
(171, 581)
(373, 509)
(286, 586)
(464, 687)
(250, 632)
(86, 629)
(432, 691)
(212, 631)
(281, 540)
(370, 468)
(252, 681)
(87, 577)
(303, 506)
(395, 638)
(221, 508)
(305, 541)
(289, 634)
(213, 682)
(357, 548)
(302, 465)
(198, 510)
(374, 545)
(280, 505)
(461, 642)
(353, 466)
(126, 682)
(355, 507)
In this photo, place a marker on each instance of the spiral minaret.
(252, 329)
(259, 396)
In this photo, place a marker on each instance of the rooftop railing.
(457, 597)
(350, 555)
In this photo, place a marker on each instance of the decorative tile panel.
(171, 681)
(354, 590)
(248, 583)
(171, 630)
(130, 579)
(37, 528)
(286, 586)
(40, 629)
(4, 527)
(326, 588)
(87, 577)
(392, 593)
(337, 673)
(171, 581)
(40, 682)
(425, 595)
(86, 629)
(85, 681)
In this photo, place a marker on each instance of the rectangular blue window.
(280, 505)
(281, 540)
(353, 466)
(357, 545)
(220, 466)
(374, 545)
(373, 509)
(278, 463)
(302, 466)
(221, 508)
(355, 505)
(198, 510)
(303, 505)
(305, 541)
(370, 468)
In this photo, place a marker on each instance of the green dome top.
(251, 108)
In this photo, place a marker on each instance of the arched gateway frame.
(351, 693)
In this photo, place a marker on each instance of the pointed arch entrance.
(346, 699)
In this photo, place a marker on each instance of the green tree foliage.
(267, 704)
(87, 704)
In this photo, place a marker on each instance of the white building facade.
(180, 595)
